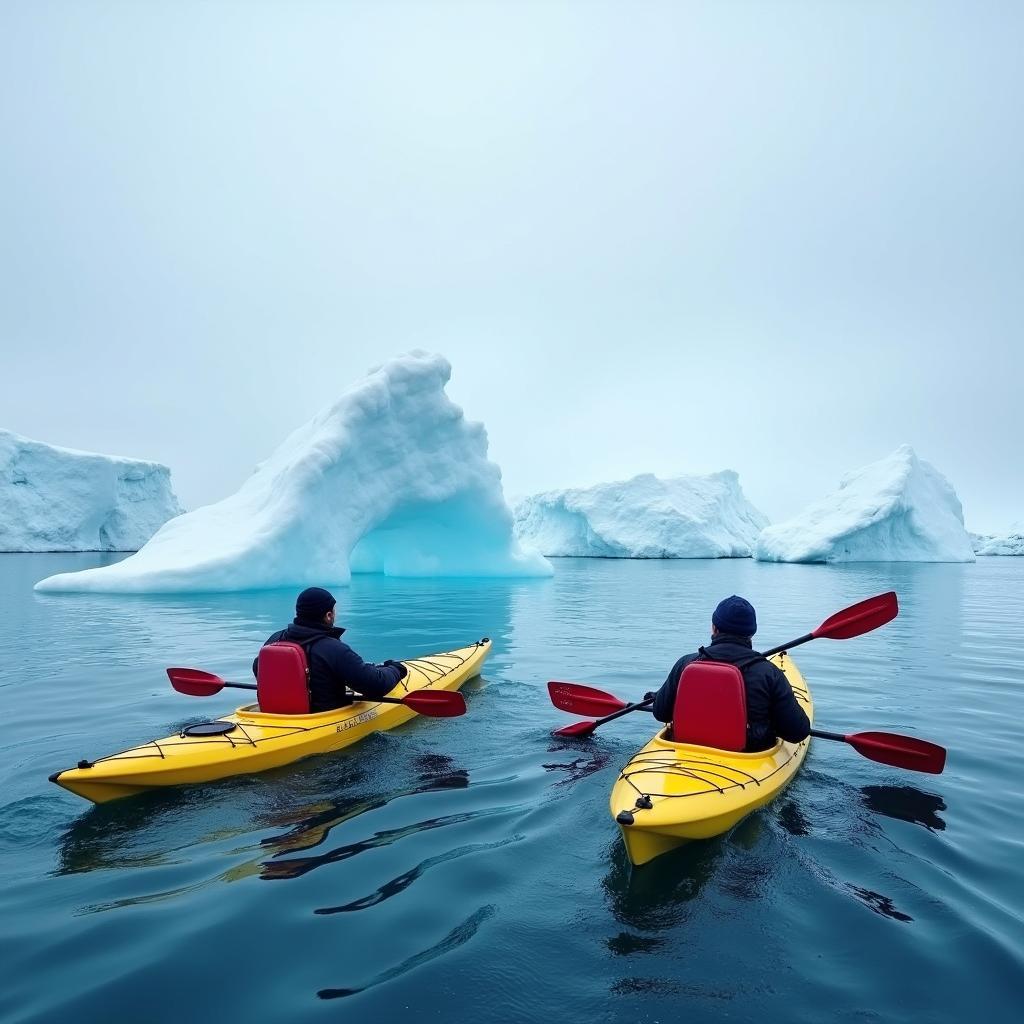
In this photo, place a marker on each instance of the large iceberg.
(1010, 543)
(646, 517)
(59, 499)
(390, 479)
(899, 509)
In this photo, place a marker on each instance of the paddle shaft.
(373, 700)
(820, 733)
(830, 735)
(645, 705)
(785, 647)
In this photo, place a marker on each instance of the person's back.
(772, 710)
(333, 666)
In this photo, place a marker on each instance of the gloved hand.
(650, 695)
(397, 664)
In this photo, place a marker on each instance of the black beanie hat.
(314, 603)
(735, 616)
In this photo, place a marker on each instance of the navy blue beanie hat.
(735, 616)
(314, 603)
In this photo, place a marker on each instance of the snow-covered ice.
(1010, 543)
(899, 509)
(390, 479)
(646, 517)
(59, 499)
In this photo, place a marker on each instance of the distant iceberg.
(900, 509)
(1011, 543)
(59, 499)
(390, 479)
(646, 517)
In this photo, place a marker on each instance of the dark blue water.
(468, 869)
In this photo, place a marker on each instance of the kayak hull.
(259, 742)
(700, 792)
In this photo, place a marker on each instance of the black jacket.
(334, 665)
(772, 710)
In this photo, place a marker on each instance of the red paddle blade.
(436, 703)
(583, 700)
(576, 729)
(900, 751)
(195, 682)
(859, 618)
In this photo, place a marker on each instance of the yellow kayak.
(258, 741)
(670, 793)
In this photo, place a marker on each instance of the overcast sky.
(781, 238)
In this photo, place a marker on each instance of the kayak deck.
(261, 741)
(688, 792)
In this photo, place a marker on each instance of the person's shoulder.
(334, 644)
(685, 660)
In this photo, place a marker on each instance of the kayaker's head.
(315, 607)
(734, 616)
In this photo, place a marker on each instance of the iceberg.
(899, 509)
(59, 499)
(1011, 543)
(390, 479)
(645, 517)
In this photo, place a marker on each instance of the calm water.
(468, 869)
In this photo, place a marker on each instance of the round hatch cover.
(208, 729)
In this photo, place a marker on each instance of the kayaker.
(333, 665)
(772, 710)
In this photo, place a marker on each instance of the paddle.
(884, 747)
(890, 748)
(854, 621)
(432, 703)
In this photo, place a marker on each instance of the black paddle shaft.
(374, 700)
(785, 647)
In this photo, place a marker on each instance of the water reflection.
(657, 895)
(458, 936)
(295, 867)
(133, 833)
(627, 943)
(397, 885)
(594, 760)
(792, 819)
(312, 825)
(905, 803)
(878, 903)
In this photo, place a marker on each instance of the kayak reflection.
(658, 897)
(310, 829)
(134, 833)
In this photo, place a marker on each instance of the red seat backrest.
(282, 679)
(711, 706)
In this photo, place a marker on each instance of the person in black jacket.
(772, 710)
(333, 666)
